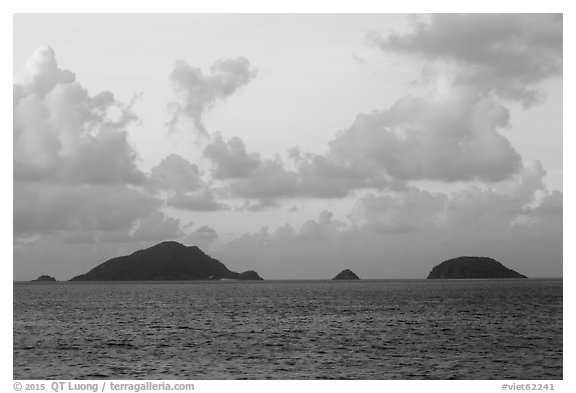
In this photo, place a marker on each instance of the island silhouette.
(472, 267)
(346, 274)
(168, 260)
(45, 278)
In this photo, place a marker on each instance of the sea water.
(388, 329)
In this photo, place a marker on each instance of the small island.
(346, 274)
(249, 275)
(165, 261)
(45, 278)
(472, 267)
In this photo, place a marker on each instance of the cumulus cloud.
(64, 135)
(40, 74)
(449, 136)
(269, 180)
(181, 185)
(156, 227)
(452, 138)
(328, 176)
(230, 158)
(198, 93)
(550, 205)
(454, 134)
(504, 54)
(468, 208)
(399, 212)
(75, 172)
(176, 173)
(248, 176)
(202, 237)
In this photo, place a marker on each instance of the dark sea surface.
(389, 329)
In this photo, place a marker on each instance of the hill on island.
(45, 278)
(472, 267)
(346, 274)
(164, 261)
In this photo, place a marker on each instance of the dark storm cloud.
(197, 92)
(507, 54)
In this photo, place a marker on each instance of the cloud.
(404, 233)
(202, 237)
(180, 184)
(399, 212)
(466, 209)
(504, 54)
(454, 134)
(448, 136)
(269, 180)
(326, 176)
(63, 135)
(287, 252)
(259, 205)
(40, 74)
(248, 176)
(198, 93)
(157, 227)
(46, 208)
(202, 200)
(176, 173)
(550, 205)
(75, 171)
(230, 158)
(451, 138)
(323, 229)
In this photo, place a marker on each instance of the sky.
(296, 145)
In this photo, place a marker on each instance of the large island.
(472, 267)
(164, 261)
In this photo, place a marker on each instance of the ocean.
(367, 329)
